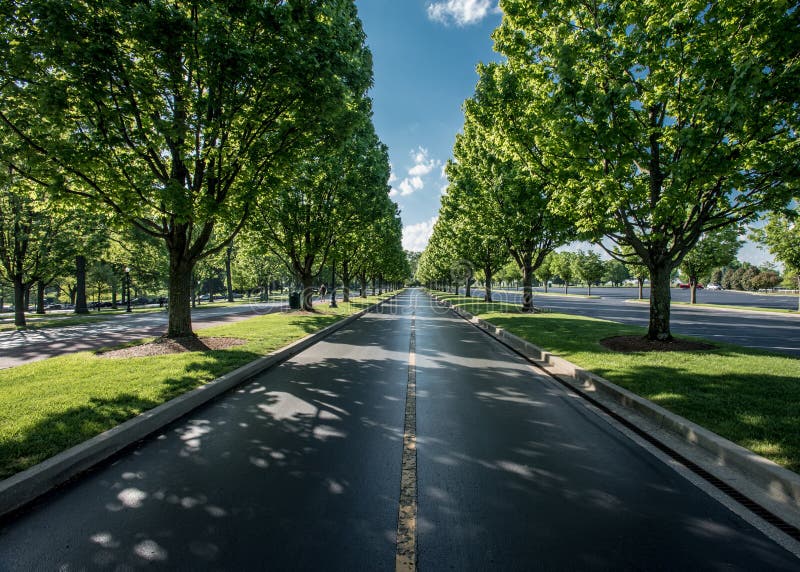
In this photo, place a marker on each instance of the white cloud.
(392, 175)
(459, 12)
(423, 166)
(409, 185)
(416, 236)
(421, 169)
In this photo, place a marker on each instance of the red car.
(686, 286)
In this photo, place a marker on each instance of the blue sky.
(424, 55)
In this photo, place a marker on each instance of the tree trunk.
(640, 280)
(114, 295)
(308, 293)
(692, 289)
(589, 288)
(363, 284)
(468, 286)
(527, 288)
(566, 286)
(180, 294)
(373, 285)
(487, 291)
(19, 301)
(228, 276)
(546, 280)
(40, 297)
(659, 304)
(80, 285)
(345, 281)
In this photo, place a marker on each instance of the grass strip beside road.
(748, 396)
(39, 321)
(723, 306)
(53, 404)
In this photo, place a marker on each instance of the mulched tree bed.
(165, 346)
(630, 344)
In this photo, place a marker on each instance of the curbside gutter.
(777, 483)
(28, 485)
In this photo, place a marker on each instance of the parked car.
(714, 287)
(686, 286)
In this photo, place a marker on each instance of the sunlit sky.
(424, 56)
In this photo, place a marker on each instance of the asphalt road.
(300, 469)
(767, 331)
(25, 346)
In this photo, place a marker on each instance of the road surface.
(300, 469)
(768, 331)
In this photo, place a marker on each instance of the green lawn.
(728, 306)
(50, 405)
(748, 396)
(38, 321)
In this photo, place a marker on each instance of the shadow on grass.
(58, 432)
(68, 428)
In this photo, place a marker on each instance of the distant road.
(774, 332)
(24, 346)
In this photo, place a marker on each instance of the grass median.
(61, 320)
(722, 306)
(748, 396)
(53, 404)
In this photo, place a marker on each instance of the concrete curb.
(779, 484)
(28, 485)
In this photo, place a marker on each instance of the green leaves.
(174, 114)
(661, 121)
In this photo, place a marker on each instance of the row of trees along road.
(191, 122)
(643, 126)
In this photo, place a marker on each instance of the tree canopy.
(174, 114)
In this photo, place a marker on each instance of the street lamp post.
(128, 288)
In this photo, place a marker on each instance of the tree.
(334, 187)
(588, 267)
(545, 271)
(715, 248)
(615, 272)
(765, 279)
(512, 195)
(782, 236)
(473, 234)
(664, 120)
(564, 267)
(174, 114)
(37, 238)
(510, 273)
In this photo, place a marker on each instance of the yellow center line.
(406, 557)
